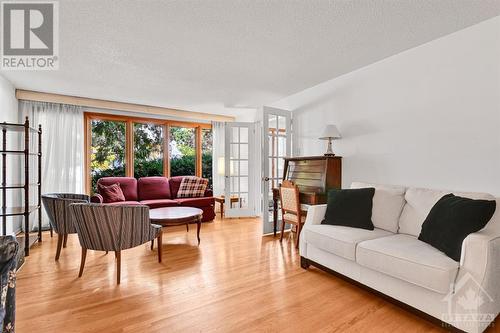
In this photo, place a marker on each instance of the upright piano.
(314, 175)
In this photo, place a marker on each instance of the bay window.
(143, 147)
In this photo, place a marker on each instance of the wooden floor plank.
(235, 281)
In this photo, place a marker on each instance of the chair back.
(289, 197)
(57, 208)
(112, 228)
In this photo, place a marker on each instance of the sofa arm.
(480, 260)
(479, 250)
(209, 193)
(96, 198)
(315, 214)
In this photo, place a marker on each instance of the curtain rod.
(36, 96)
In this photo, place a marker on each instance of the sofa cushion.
(452, 219)
(340, 240)
(419, 202)
(157, 203)
(124, 203)
(350, 208)
(406, 258)
(388, 203)
(196, 202)
(127, 184)
(175, 183)
(152, 188)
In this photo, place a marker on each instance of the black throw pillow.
(350, 208)
(453, 218)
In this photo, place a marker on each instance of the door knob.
(266, 179)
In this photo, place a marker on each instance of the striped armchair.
(113, 228)
(60, 219)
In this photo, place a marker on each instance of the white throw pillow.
(388, 203)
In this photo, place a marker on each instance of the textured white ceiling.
(213, 56)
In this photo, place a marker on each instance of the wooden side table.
(221, 199)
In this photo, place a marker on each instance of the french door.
(277, 126)
(239, 170)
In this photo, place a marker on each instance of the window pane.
(206, 158)
(182, 151)
(148, 150)
(108, 149)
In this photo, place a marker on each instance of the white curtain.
(62, 147)
(218, 132)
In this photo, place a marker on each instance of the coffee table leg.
(198, 222)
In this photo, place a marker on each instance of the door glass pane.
(235, 134)
(243, 200)
(243, 184)
(182, 151)
(244, 168)
(206, 151)
(281, 166)
(235, 185)
(234, 151)
(148, 150)
(273, 122)
(107, 149)
(281, 146)
(234, 167)
(281, 125)
(244, 151)
(243, 134)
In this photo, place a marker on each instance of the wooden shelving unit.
(27, 209)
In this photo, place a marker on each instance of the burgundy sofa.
(157, 192)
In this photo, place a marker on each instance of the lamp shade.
(330, 132)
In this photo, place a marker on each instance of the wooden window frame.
(129, 142)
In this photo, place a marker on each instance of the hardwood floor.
(235, 281)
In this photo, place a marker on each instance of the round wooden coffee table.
(171, 216)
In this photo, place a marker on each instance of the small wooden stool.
(221, 199)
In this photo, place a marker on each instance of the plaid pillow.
(192, 187)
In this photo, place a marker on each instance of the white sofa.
(392, 261)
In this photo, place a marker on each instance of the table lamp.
(330, 133)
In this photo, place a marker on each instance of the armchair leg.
(187, 227)
(51, 232)
(60, 238)
(65, 240)
(160, 245)
(152, 244)
(118, 265)
(82, 262)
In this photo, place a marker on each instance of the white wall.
(429, 116)
(9, 113)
